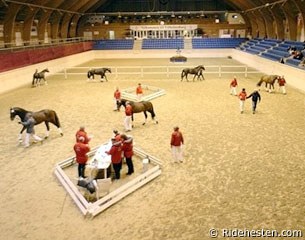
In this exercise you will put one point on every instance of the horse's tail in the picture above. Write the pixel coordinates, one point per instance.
(57, 122)
(151, 110)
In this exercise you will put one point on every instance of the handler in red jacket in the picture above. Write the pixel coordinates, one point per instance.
(242, 98)
(176, 145)
(128, 152)
(233, 86)
(282, 82)
(116, 157)
(116, 99)
(82, 133)
(128, 117)
(139, 92)
(81, 149)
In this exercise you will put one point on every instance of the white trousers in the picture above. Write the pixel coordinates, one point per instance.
(27, 139)
(127, 123)
(283, 89)
(115, 106)
(177, 153)
(242, 105)
(233, 91)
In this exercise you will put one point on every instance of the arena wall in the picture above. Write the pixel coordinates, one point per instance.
(23, 76)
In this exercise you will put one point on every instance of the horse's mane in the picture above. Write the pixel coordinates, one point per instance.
(19, 109)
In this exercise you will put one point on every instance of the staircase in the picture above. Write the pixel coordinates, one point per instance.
(188, 44)
(137, 44)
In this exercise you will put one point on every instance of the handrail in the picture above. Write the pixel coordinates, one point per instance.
(25, 45)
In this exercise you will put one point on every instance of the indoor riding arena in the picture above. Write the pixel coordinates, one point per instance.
(240, 170)
(242, 175)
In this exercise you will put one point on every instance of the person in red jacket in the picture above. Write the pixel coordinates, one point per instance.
(176, 145)
(139, 92)
(81, 149)
(116, 157)
(128, 116)
(82, 133)
(242, 98)
(128, 152)
(282, 82)
(117, 99)
(233, 86)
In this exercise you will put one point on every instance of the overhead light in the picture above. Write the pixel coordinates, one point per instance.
(148, 15)
(173, 15)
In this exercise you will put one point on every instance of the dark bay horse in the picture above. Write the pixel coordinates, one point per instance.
(137, 107)
(99, 71)
(269, 80)
(37, 76)
(46, 115)
(197, 71)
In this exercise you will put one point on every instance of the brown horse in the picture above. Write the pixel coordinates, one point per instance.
(197, 71)
(45, 116)
(37, 76)
(269, 80)
(99, 71)
(137, 107)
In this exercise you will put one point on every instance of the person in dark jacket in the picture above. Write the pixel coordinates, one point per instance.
(29, 123)
(255, 98)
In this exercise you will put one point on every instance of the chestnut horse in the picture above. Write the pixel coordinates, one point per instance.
(137, 107)
(269, 80)
(46, 115)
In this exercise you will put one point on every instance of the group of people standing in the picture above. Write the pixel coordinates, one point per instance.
(122, 147)
(255, 96)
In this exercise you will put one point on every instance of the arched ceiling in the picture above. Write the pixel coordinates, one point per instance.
(261, 15)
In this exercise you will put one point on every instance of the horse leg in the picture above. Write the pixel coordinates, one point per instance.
(20, 135)
(153, 115)
(48, 129)
(194, 77)
(145, 114)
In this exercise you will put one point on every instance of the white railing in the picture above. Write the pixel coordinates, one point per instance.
(161, 70)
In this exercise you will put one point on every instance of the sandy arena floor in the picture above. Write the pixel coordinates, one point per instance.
(241, 170)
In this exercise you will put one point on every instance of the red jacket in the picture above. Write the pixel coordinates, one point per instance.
(177, 138)
(242, 96)
(233, 83)
(116, 153)
(282, 82)
(139, 90)
(127, 149)
(128, 110)
(117, 94)
(81, 151)
(81, 133)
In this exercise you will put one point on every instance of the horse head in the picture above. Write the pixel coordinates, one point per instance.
(200, 67)
(120, 103)
(16, 111)
(46, 70)
(12, 114)
(108, 69)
